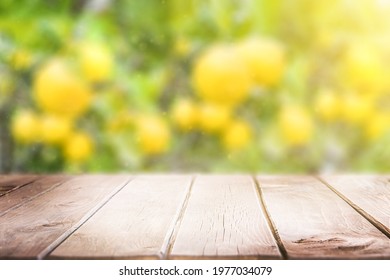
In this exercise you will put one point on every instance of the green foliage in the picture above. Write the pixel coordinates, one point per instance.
(154, 45)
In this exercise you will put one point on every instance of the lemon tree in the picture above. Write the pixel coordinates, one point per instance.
(217, 86)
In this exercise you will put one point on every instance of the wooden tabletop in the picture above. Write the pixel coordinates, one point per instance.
(194, 217)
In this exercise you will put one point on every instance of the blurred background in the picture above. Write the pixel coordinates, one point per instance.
(199, 85)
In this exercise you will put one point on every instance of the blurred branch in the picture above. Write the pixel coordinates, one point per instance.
(7, 148)
(6, 141)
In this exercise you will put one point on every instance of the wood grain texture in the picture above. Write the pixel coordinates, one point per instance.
(28, 192)
(32, 227)
(369, 193)
(313, 222)
(9, 183)
(134, 224)
(224, 219)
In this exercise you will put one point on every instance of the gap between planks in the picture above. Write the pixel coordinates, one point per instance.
(143, 226)
(270, 222)
(358, 209)
(257, 244)
(170, 238)
(84, 219)
(310, 229)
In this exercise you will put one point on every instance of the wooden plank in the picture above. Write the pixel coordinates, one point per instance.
(136, 223)
(9, 183)
(368, 194)
(33, 227)
(224, 219)
(313, 222)
(30, 191)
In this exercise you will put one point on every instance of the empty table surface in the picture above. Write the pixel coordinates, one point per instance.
(194, 216)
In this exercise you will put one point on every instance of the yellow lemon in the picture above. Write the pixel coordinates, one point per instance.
(58, 91)
(377, 126)
(237, 135)
(265, 59)
(96, 62)
(356, 109)
(184, 114)
(220, 76)
(327, 105)
(55, 129)
(213, 117)
(364, 69)
(153, 135)
(25, 126)
(296, 125)
(78, 147)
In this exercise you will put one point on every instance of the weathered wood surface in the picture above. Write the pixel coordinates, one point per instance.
(28, 231)
(192, 217)
(23, 194)
(223, 219)
(368, 194)
(12, 182)
(314, 222)
(134, 224)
